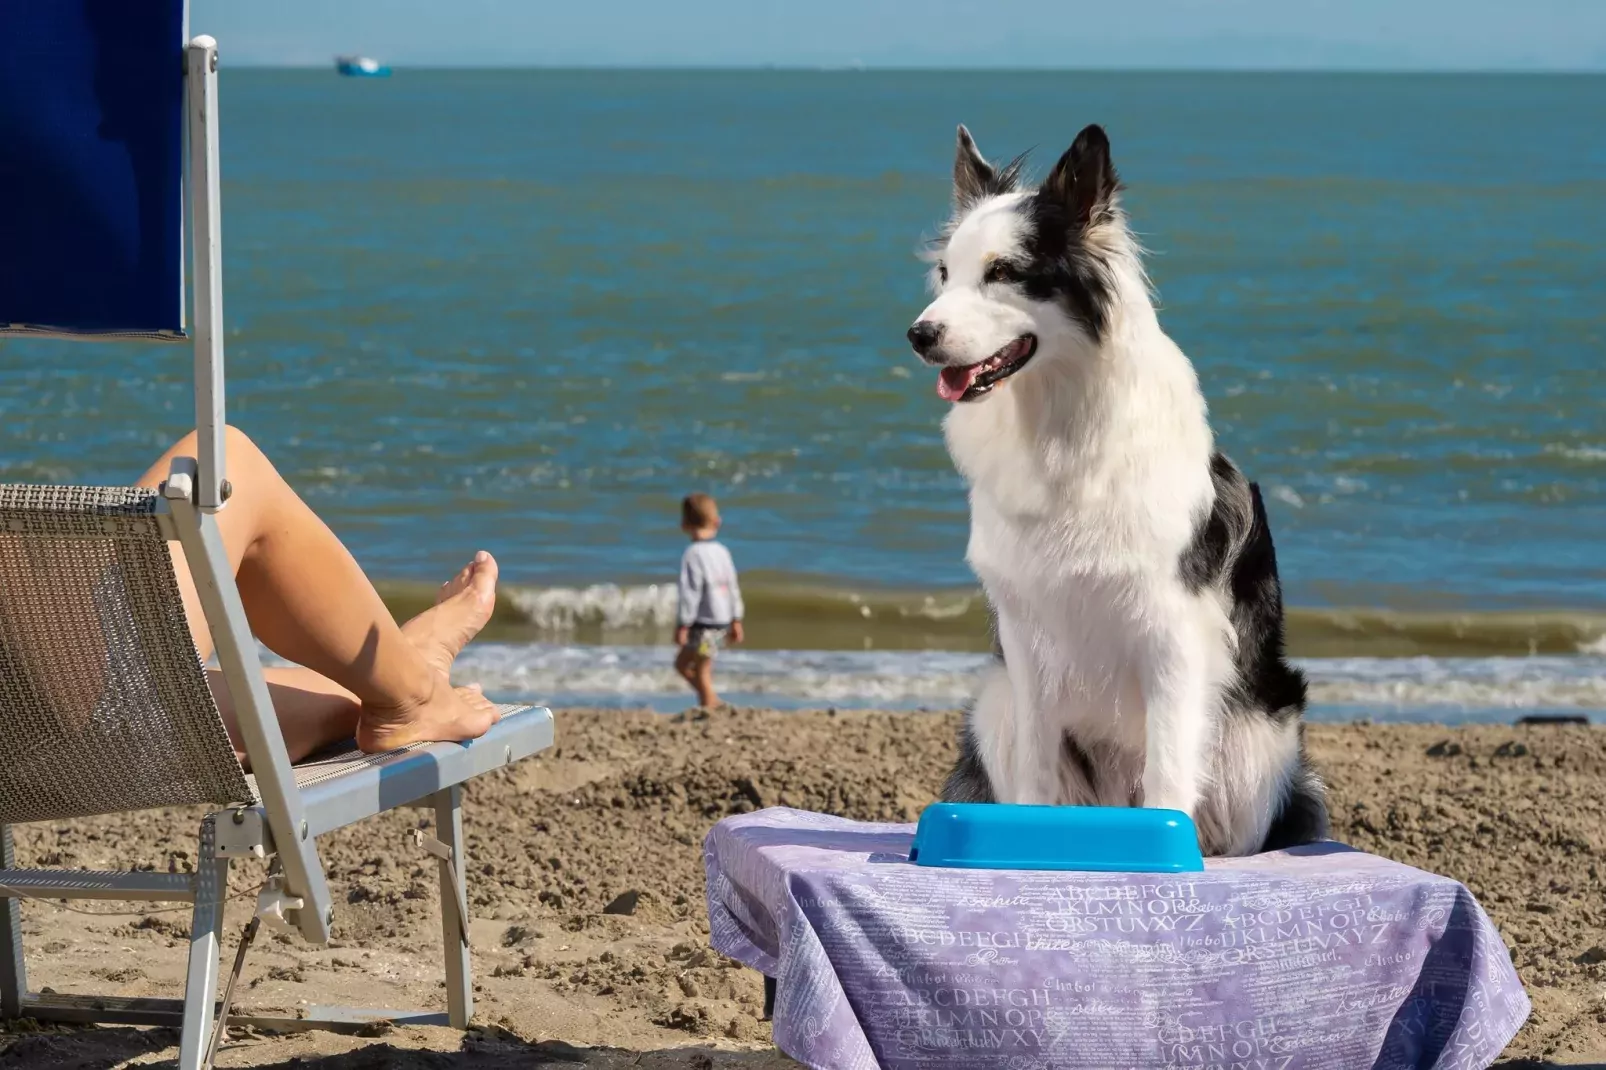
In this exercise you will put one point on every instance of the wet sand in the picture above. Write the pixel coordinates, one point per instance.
(586, 886)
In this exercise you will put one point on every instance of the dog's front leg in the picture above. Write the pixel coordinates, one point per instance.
(1177, 718)
(1030, 772)
(991, 730)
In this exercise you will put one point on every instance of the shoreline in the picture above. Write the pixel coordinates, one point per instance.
(1442, 690)
(621, 804)
(807, 612)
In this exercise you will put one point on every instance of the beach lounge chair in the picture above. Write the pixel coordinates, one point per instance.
(108, 122)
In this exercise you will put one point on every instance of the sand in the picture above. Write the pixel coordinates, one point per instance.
(612, 818)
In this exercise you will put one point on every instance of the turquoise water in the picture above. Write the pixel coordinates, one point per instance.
(529, 310)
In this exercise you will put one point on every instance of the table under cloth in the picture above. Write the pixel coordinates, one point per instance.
(1318, 957)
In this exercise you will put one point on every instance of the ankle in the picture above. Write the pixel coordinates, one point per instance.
(412, 689)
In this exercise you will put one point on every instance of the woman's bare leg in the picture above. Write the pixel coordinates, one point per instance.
(309, 602)
(313, 710)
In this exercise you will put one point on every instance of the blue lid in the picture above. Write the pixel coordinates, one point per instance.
(1112, 839)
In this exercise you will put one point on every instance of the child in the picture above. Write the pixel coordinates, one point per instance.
(710, 599)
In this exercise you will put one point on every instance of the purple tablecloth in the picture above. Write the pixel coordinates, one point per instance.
(1320, 957)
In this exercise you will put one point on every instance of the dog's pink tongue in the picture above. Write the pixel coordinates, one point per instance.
(953, 382)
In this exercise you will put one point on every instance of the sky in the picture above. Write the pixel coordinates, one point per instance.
(1542, 35)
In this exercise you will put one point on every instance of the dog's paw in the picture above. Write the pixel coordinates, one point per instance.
(1162, 796)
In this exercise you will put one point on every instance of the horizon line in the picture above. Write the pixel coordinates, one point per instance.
(854, 68)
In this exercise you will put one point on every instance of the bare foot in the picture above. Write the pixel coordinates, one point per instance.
(445, 713)
(449, 714)
(461, 609)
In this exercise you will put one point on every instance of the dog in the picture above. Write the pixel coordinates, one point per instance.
(1128, 565)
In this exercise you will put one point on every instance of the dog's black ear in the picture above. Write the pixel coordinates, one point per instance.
(1084, 181)
(974, 177)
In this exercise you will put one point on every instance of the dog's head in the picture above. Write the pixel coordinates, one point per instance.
(1024, 276)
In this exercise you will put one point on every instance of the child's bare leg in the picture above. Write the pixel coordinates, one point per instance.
(308, 601)
(686, 666)
(703, 681)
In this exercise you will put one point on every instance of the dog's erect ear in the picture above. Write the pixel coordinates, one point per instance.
(974, 177)
(1084, 180)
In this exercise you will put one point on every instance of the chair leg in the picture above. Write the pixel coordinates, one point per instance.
(13, 975)
(200, 985)
(459, 979)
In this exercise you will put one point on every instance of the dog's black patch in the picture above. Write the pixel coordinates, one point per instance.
(1232, 546)
(1084, 182)
(1063, 267)
(1213, 535)
(968, 782)
(1265, 679)
(975, 179)
(1303, 818)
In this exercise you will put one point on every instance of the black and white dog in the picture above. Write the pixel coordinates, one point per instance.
(1128, 564)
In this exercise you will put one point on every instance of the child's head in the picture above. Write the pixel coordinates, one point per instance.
(699, 515)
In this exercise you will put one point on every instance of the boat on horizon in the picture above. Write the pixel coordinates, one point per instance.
(361, 67)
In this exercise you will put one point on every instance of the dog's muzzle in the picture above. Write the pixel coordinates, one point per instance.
(924, 337)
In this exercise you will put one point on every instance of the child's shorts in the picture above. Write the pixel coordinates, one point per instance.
(704, 640)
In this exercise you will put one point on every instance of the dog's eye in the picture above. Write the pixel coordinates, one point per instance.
(942, 273)
(999, 271)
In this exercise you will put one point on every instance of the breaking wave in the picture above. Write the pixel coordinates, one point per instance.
(786, 612)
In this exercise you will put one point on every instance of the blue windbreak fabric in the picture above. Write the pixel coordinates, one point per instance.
(91, 165)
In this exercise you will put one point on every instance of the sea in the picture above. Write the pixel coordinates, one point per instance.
(527, 311)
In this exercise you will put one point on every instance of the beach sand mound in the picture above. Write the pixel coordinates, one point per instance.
(586, 886)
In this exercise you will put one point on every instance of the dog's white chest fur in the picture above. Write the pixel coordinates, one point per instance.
(1085, 491)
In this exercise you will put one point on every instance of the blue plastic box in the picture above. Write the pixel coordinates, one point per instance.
(1111, 839)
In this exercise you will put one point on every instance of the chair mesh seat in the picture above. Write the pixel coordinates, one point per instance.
(104, 704)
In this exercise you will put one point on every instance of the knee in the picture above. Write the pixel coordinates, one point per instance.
(240, 447)
(236, 443)
(249, 468)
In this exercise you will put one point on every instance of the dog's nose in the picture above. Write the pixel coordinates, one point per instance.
(924, 335)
